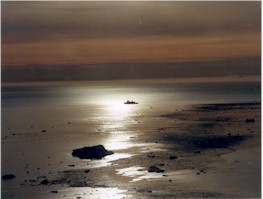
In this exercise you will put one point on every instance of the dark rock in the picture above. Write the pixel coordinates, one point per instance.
(173, 157)
(8, 177)
(151, 155)
(250, 120)
(44, 182)
(53, 191)
(43, 131)
(87, 171)
(93, 152)
(197, 151)
(155, 169)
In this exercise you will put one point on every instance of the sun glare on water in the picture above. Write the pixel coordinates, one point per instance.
(118, 108)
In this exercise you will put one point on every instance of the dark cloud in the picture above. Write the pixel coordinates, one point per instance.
(62, 21)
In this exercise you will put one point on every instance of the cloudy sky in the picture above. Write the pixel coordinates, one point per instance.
(125, 32)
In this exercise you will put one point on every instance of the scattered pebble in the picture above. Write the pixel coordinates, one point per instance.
(8, 177)
(44, 182)
(250, 120)
(53, 191)
(155, 169)
(197, 151)
(151, 156)
(173, 157)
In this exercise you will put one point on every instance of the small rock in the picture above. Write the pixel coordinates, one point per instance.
(155, 169)
(173, 157)
(151, 156)
(250, 120)
(197, 151)
(43, 131)
(87, 171)
(44, 182)
(8, 177)
(53, 191)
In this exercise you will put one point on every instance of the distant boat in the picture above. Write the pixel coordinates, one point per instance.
(130, 102)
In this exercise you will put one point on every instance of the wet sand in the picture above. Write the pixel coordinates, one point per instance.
(203, 151)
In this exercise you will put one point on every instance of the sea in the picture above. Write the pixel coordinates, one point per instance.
(147, 93)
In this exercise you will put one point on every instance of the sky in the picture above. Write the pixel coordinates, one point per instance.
(66, 33)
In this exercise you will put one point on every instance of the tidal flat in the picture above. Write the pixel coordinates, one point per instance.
(174, 150)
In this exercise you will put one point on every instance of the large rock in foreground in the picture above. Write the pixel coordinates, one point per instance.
(93, 152)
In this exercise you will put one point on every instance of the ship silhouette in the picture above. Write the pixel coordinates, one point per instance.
(130, 102)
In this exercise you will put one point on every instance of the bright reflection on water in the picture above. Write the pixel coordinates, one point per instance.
(93, 193)
(118, 108)
(137, 173)
(118, 121)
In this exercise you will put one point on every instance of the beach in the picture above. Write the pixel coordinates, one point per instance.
(123, 99)
(173, 144)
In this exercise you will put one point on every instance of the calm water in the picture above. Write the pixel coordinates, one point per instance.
(148, 94)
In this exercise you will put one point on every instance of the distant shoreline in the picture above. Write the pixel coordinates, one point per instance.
(222, 79)
(130, 71)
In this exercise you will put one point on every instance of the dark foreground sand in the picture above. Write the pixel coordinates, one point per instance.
(204, 151)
